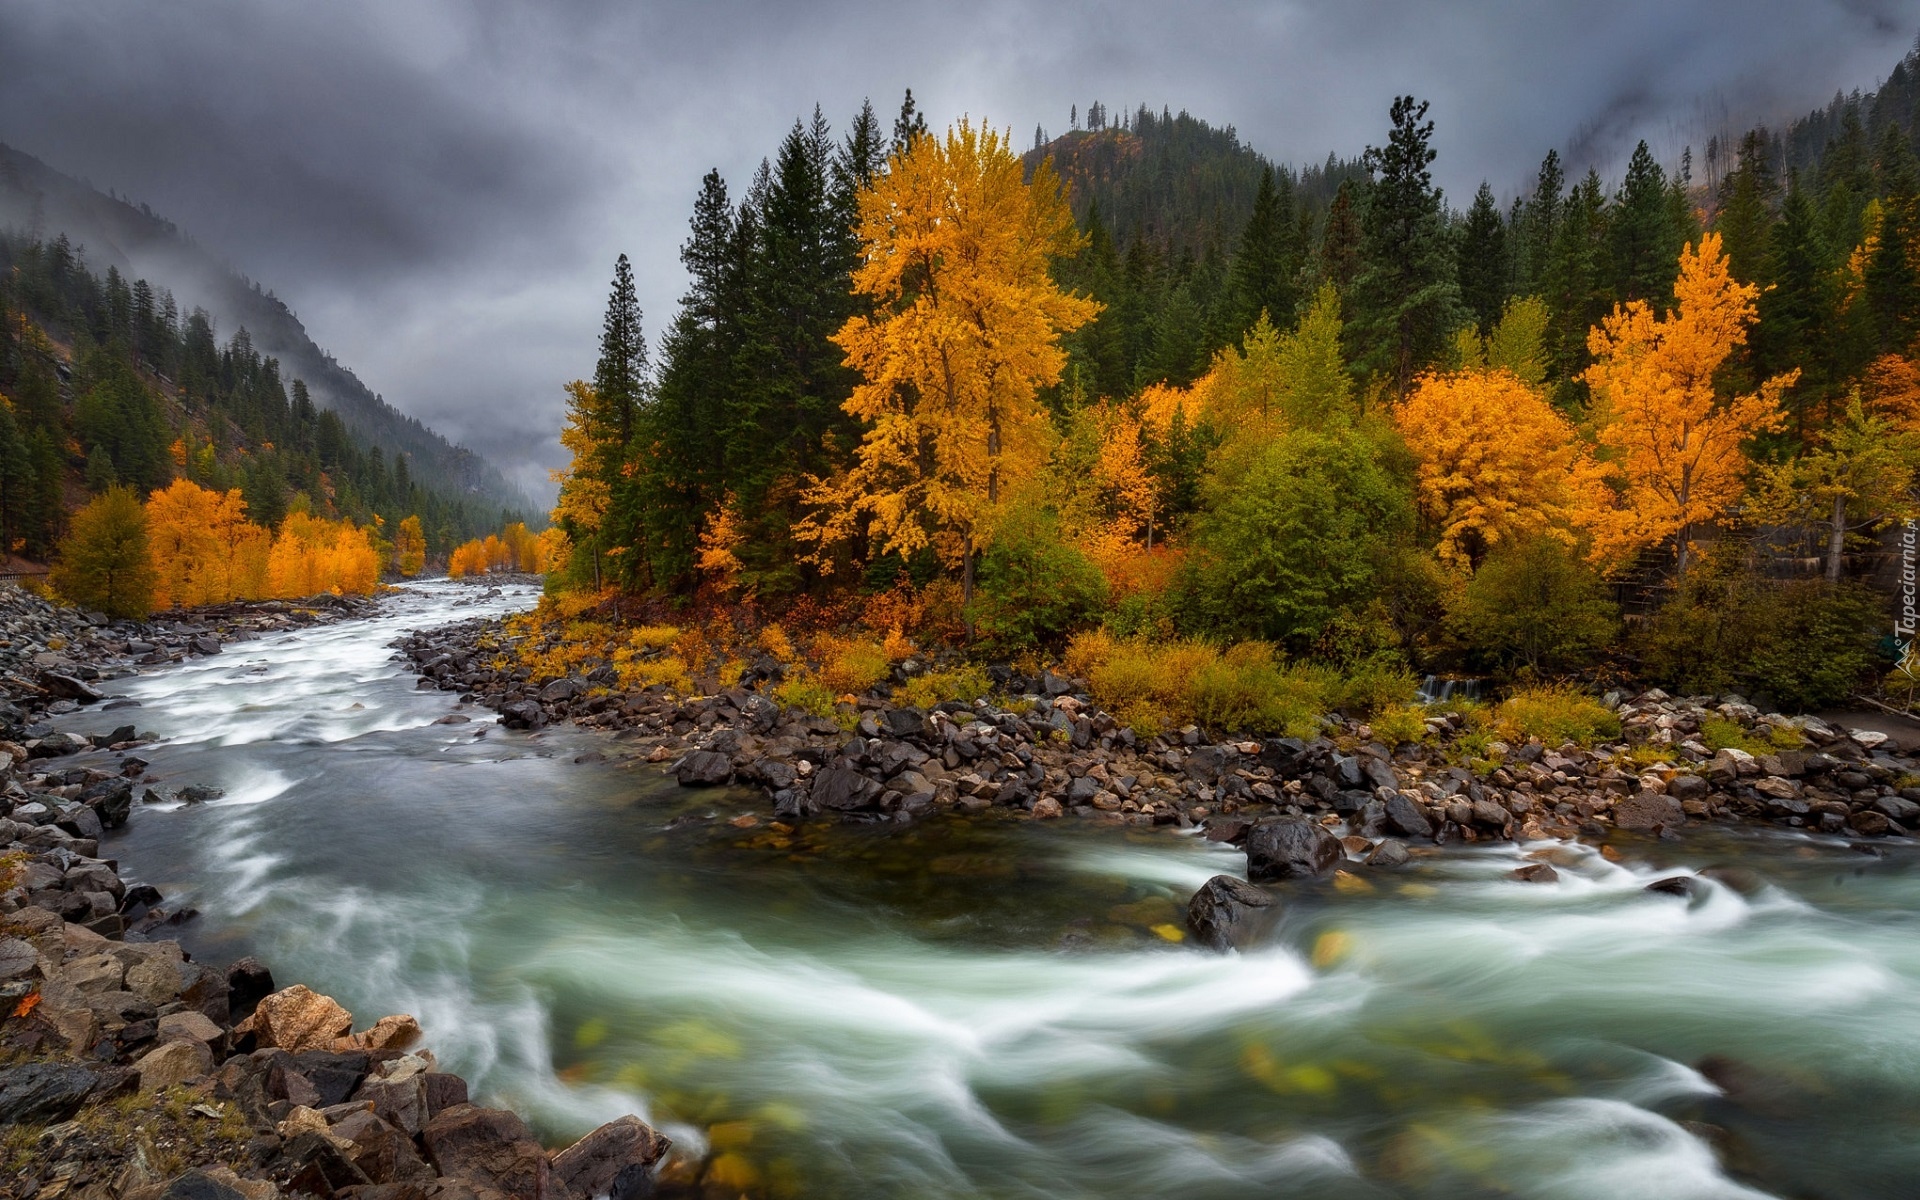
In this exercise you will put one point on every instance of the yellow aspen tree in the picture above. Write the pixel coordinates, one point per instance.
(410, 547)
(965, 328)
(1674, 447)
(1494, 463)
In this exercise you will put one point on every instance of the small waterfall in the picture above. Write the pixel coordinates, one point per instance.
(1436, 689)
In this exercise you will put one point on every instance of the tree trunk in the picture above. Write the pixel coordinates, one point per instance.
(966, 587)
(1837, 539)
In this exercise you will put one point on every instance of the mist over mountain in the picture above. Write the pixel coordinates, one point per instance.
(42, 202)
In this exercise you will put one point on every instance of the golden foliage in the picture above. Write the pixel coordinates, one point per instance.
(204, 549)
(410, 548)
(1495, 463)
(1673, 447)
(718, 541)
(312, 555)
(965, 329)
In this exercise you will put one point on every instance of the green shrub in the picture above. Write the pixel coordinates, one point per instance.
(1556, 715)
(1034, 587)
(1800, 646)
(1294, 538)
(1534, 604)
(104, 562)
(1375, 686)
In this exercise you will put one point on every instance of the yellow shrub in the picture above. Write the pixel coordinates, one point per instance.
(1403, 723)
(1556, 715)
(849, 664)
(647, 672)
(898, 646)
(1087, 650)
(938, 687)
(774, 641)
(808, 695)
(653, 637)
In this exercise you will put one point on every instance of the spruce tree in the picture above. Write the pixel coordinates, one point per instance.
(1891, 286)
(1339, 257)
(1745, 219)
(1406, 299)
(1483, 265)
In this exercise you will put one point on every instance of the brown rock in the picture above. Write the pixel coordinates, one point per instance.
(485, 1147)
(386, 1154)
(174, 1062)
(189, 1027)
(1534, 873)
(297, 1019)
(388, 1033)
(590, 1164)
(443, 1091)
(1046, 808)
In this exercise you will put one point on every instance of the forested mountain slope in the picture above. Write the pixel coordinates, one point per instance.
(39, 203)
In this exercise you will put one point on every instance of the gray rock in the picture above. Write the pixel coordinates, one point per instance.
(43, 1093)
(1405, 818)
(703, 768)
(1390, 853)
(204, 644)
(844, 790)
(1291, 849)
(1229, 913)
(1648, 810)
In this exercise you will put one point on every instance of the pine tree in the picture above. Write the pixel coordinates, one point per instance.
(1339, 259)
(1645, 250)
(1798, 309)
(1892, 288)
(1406, 299)
(1263, 269)
(17, 485)
(1483, 266)
(908, 125)
(1574, 281)
(1747, 197)
(1540, 225)
(620, 377)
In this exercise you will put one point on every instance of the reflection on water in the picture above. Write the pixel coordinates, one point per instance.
(996, 1008)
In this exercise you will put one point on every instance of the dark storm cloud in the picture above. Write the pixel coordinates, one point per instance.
(439, 188)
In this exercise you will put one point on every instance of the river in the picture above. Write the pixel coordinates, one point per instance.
(987, 1009)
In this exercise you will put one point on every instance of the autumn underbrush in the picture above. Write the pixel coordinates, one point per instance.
(1248, 687)
(1720, 733)
(1556, 714)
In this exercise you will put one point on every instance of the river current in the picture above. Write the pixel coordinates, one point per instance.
(998, 1008)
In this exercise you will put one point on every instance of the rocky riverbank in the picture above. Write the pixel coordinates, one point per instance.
(1299, 807)
(129, 1070)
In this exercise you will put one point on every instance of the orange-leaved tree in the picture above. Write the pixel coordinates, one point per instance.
(204, 549)
(1495, 463)
(1674, 447)
(965, 328)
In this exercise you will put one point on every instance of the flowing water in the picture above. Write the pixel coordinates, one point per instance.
(997, 1009)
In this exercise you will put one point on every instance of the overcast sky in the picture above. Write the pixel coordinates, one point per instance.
(439, 187)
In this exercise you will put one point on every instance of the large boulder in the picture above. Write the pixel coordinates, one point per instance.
(172, 1063)
(111, 801)
(43, 1093)
(296, 1019)
(1229, 913)
(590, 1165)
(66, 687)
(248, 983)
(485, 1147)
(1291, 849)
